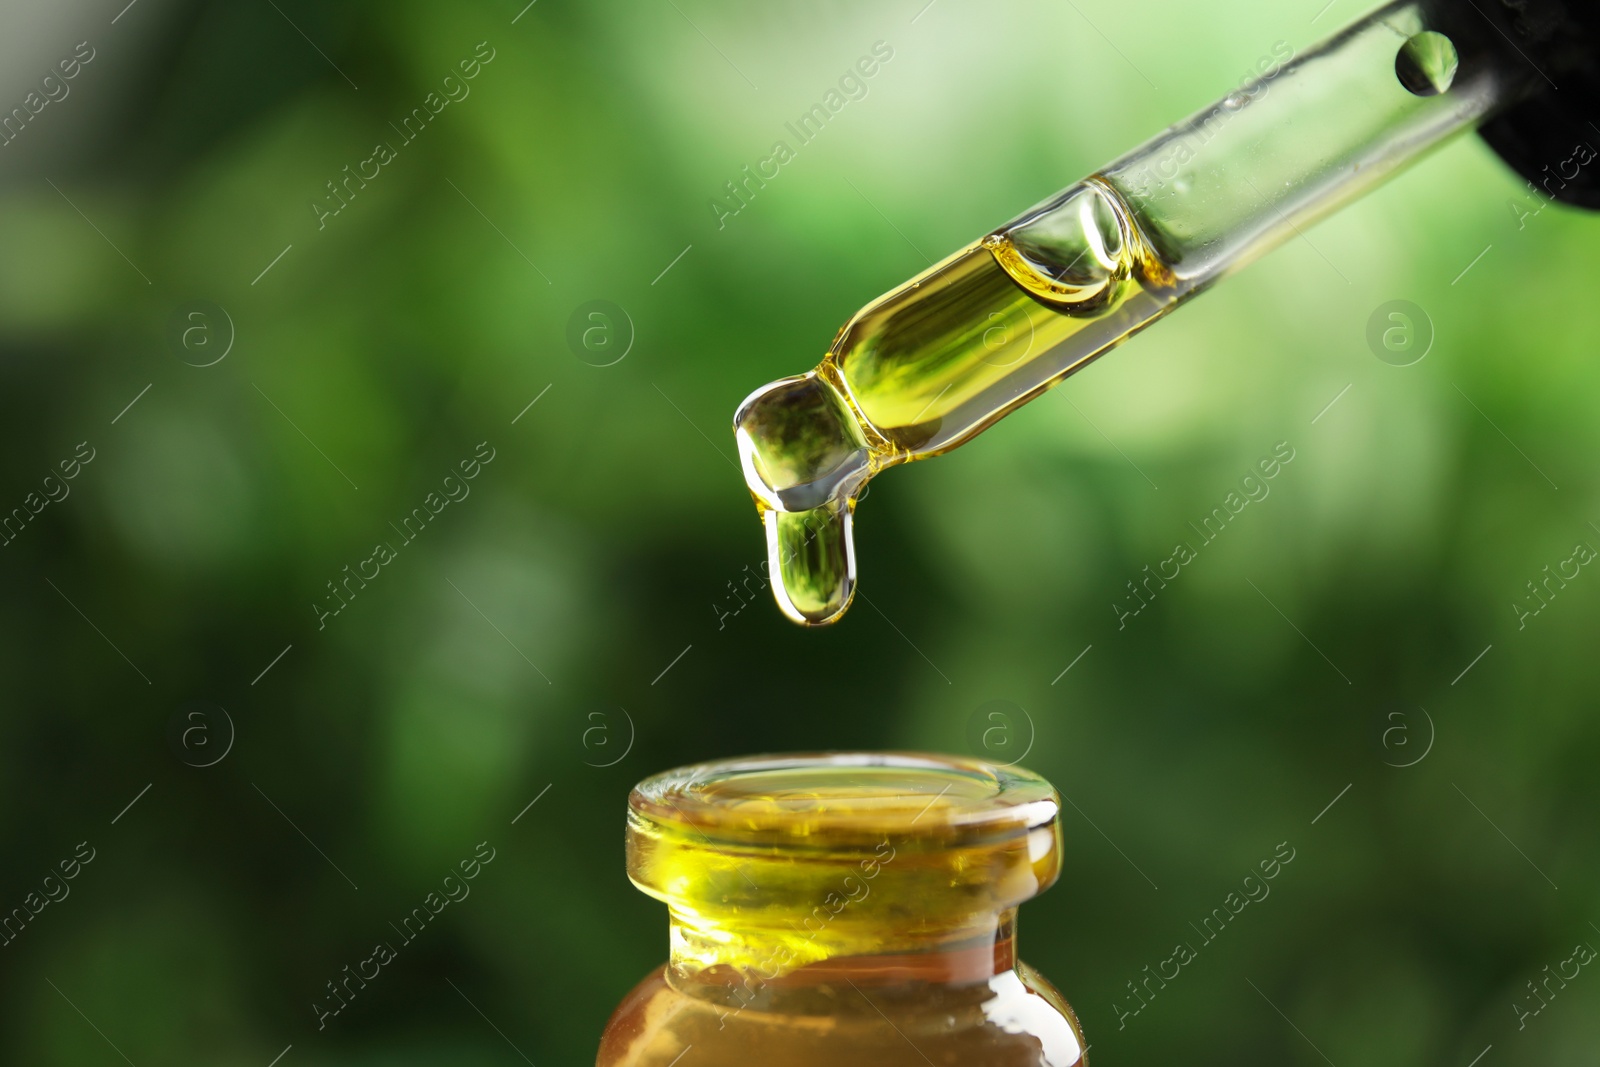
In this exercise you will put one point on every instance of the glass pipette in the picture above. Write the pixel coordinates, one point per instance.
(934, 362)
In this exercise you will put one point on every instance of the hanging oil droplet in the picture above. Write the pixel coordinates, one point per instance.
(812, 558)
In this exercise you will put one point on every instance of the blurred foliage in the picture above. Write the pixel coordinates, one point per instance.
(605, 536)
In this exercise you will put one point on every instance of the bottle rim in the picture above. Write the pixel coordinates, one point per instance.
(831, 800)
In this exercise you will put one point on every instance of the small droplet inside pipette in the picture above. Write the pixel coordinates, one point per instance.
(1427, 64)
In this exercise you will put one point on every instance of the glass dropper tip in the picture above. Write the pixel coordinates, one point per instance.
(804, 458)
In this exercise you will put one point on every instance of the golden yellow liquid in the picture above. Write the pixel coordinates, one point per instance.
(789, 861)
(843, 910)
(932, 364)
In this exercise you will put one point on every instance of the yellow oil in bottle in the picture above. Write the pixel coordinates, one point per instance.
(933, 363)
(843, 909)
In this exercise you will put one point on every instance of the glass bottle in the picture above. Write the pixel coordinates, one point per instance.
(842, 909)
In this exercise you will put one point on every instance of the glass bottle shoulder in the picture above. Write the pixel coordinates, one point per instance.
(1013, 1019)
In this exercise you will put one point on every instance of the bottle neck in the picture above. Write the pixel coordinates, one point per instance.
(885, 867)
(711, 957)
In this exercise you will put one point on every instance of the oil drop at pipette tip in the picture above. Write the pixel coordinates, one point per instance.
(804, 457)
(812, 556)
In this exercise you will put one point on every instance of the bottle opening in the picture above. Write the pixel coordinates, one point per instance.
(777, 862)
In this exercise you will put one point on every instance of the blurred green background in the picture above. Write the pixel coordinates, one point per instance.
(570, 626)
